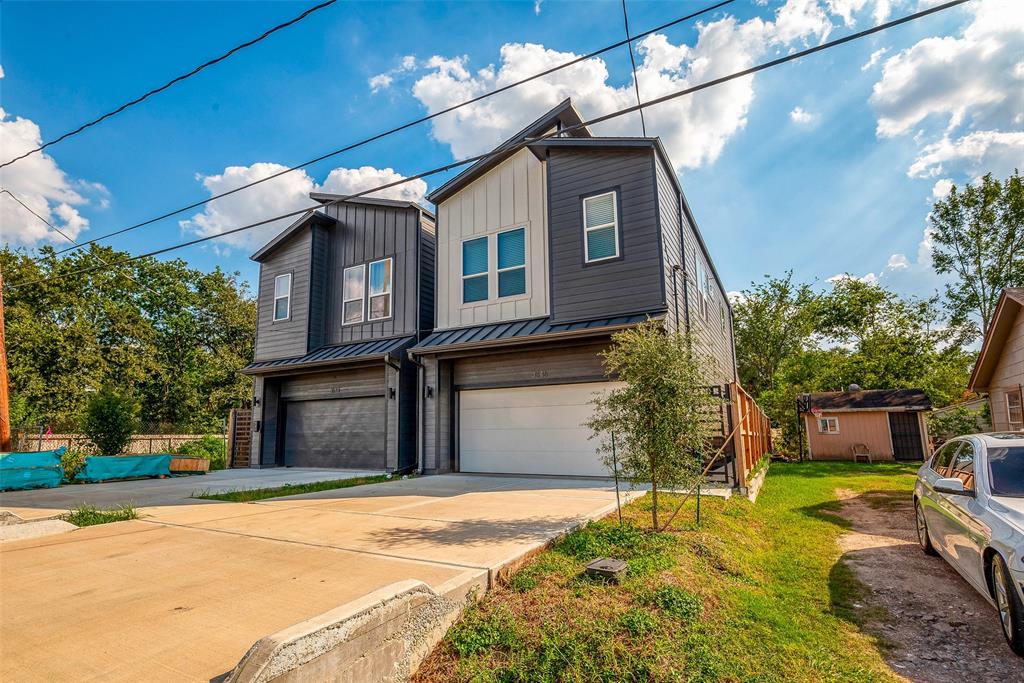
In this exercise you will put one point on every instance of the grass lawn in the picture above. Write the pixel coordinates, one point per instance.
(756, 593)
(249, 495)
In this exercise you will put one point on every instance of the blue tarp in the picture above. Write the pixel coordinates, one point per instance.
(32, 470)
(99, 468)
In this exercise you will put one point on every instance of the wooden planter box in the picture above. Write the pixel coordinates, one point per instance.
(184, 463)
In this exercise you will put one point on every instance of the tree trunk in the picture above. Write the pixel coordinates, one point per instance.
(654, 505)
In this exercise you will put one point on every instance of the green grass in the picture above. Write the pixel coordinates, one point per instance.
(88, 515)
(755, 593)
(250, 495)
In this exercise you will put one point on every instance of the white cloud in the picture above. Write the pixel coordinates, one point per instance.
(874, 58)
(284, 194)
(802, 117)
(40, 183)
(536, 6)
(383, 81)
(941, 188)
(695, 128)
(380, 82)
(908, 276)
(974, 154)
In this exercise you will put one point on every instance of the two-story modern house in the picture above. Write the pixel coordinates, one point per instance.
(343, 292)
(544, 249)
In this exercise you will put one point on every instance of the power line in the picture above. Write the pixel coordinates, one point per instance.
(403, 126)
(599, 119)
(632, 60)
(171, 82)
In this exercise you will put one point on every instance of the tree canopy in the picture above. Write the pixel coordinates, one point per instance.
(172, 337)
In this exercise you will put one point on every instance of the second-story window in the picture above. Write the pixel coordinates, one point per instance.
(352, 305)
(512, 262)
(282, 296)
(474, 270)
(600, 227)
(380, 290)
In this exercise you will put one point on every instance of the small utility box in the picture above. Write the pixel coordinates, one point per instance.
(607, 568)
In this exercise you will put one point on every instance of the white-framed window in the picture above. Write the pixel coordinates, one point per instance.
(282, 297)
(354, 284)
(828, 425)
(702, 288)
(511, 257)
(475, 269)
(600, 227)
(1014, 411)
(380, 290)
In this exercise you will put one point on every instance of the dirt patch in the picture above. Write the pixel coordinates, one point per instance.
(939, 628)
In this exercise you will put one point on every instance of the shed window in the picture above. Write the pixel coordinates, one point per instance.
(380, 290)
(474, 270)
(512, 262)
(282, 296)
(828, 425)
(1014, 413)
(600, 227)
(354, 285)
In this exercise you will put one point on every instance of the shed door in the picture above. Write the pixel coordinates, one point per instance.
(906, 436)
(529, 430)
(341, 432)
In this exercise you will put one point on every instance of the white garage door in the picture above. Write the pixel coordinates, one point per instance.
(530, 430)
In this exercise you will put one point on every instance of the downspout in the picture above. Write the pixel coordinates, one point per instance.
(420, 382)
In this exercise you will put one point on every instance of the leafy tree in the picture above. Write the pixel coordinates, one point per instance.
(110, 420)
(660, 418)
(978, 233)
(959, 421)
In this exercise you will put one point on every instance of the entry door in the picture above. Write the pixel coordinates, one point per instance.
(530, 430)
(906, 436)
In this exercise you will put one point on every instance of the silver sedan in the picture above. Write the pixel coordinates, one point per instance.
(969, 502)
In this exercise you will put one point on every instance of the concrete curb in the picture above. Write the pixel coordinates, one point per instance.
(34, 529)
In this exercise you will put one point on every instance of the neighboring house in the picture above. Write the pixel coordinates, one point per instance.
(343, 292)
(543, 251)
(999, 371)
(889, 423)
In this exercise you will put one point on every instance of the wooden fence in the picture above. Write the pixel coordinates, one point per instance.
(239, 437)
(753, 439)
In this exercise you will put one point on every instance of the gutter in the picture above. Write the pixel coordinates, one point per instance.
(420, 431)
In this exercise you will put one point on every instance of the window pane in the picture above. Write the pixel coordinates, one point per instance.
(380, 306)
(354, 311)
(380, 277)
(601, 243)
(282, 285)
(1006, 471)
(474, 256)
(281, 308)
(474, 289)
(963, 467)
(512, 248)
(512, 282)
(353, 284)
(599, 210)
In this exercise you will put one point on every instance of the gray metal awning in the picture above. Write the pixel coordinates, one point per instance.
(329, 355)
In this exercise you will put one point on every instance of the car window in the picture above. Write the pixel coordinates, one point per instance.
(942, 459)
(1006, 471)
(962, 465)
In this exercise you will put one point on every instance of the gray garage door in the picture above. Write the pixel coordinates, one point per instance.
(340, 432)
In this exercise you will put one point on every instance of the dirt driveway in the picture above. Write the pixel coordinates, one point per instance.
(182, 592)
(940, 628)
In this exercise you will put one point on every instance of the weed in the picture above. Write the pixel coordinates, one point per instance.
(88, 515)
(638, 622)
(478, 632)
(250, 495)
(677, 602)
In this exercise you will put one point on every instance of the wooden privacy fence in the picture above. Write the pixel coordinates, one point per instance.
(753, 439)
(239, 437)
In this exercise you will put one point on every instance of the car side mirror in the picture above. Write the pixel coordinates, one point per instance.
(952, 486)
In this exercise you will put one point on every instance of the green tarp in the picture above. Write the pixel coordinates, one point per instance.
(32, 470)
(99, 468)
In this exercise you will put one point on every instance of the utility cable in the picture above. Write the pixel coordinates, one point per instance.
(632, 60)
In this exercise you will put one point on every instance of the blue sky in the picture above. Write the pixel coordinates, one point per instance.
(801, 168)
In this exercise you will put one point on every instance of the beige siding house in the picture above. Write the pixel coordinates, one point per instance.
(999, 372)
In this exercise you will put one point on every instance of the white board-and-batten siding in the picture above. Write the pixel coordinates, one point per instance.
(509, 196)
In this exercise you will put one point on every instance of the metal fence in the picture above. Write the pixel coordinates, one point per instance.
(152, 437)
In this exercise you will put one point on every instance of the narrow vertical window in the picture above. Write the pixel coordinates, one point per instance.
(474, 270)
(512, 262)
(282, 296)
(600, 227)
(352, 304)
(380, 290)
(1014, 411)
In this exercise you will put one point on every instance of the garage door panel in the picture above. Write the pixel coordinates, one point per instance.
(346, 433)
(486, 418)
(529, 439)
(539, 396)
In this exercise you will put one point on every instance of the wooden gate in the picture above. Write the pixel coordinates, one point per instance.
(239, 437)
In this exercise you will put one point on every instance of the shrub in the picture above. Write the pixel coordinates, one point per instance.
(209, 447)
(110, 420)
(72, 463)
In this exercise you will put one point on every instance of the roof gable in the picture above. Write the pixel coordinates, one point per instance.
(1010, 303)
(314, 216)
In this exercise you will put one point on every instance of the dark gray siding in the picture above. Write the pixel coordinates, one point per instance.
(319, 285)
(630, 283)
(284, 338)
(428, 265)
(558, 365)
(365, 233)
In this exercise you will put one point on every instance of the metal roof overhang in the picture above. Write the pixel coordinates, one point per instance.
(382, 350)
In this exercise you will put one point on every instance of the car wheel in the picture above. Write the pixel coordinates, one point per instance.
(922, 530)
(1011, 611)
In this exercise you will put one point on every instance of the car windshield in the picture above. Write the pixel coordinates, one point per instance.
(1006, 469)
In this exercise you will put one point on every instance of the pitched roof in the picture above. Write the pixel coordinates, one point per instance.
(535, 329)
(1009, 305)
(867, 399)
(334, 355)
(563, 114)
(327, 197)
(312, 216)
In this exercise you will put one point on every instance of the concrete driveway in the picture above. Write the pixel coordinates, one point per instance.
(182, 593)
